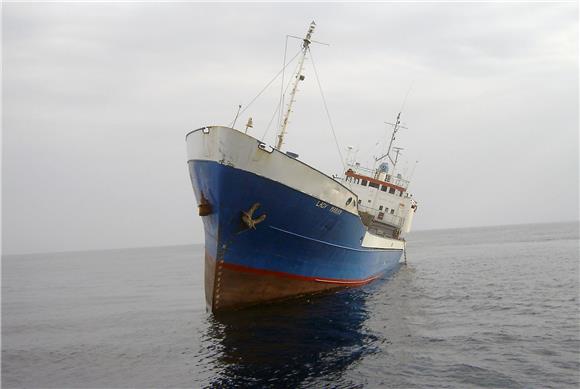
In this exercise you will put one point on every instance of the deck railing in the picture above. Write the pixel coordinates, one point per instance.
(397, 181)
(389, 178)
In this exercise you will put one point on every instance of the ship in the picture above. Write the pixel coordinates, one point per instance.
(276, 228)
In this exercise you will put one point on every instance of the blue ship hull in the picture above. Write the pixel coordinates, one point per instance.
(301, 246)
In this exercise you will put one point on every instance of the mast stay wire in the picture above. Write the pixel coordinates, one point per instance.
(268, 85)
(282, 92)
(277, 110)
(327, 111)
(407, 95)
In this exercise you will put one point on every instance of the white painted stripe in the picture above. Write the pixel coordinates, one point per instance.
(234, 148)
(379, 242)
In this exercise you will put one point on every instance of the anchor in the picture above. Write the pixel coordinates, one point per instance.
(248, 217)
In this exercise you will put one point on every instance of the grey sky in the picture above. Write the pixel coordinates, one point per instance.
(97, 99)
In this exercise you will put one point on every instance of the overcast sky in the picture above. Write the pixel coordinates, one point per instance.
(97, 99)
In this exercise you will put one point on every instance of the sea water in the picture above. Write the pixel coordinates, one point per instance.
(481, 307)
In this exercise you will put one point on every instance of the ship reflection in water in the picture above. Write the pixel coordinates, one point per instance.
(307, 340)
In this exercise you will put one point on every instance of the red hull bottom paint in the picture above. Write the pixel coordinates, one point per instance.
(229, 286)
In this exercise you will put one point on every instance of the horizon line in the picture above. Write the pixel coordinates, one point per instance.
(71, 251)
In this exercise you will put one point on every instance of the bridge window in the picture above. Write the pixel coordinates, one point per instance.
(373, 185)
(364, 182)
(381, 208)
(384, 188)
(392, 190)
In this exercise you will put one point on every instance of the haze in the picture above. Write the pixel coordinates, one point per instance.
(97, 99)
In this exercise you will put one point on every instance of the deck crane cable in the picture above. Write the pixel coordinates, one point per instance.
(327, 111)
(268, 85)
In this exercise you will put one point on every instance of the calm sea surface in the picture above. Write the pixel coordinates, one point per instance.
(487, 307)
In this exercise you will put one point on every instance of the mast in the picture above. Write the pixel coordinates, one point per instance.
(396, 127)
(299, 77)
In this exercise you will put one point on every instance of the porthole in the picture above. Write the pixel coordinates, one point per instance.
(348, 201)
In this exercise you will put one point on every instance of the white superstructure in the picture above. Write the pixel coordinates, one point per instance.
(384, 204)
(383, 201)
